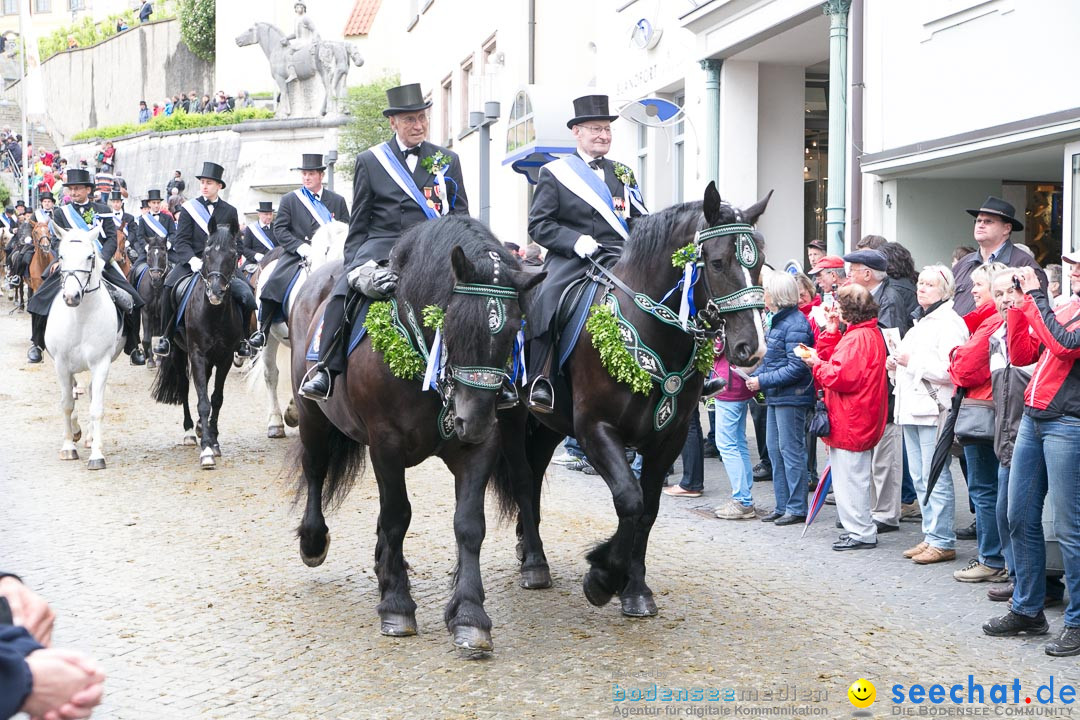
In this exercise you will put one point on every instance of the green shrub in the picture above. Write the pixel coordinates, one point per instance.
(198, 27)
(86, 32)
(176, 121)
(5, 195)
(368, 126)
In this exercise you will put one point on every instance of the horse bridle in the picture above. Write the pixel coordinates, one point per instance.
(83, 289)
(751, 297)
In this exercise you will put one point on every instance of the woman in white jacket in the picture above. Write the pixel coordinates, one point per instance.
(920, 371)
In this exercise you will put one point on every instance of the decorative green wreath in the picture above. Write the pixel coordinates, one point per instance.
(705, 357)
(617, 360)
(404, 361)
(686, 254)
(624, 174)
(433, 317)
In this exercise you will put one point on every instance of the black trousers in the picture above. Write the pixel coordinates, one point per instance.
(333, 344)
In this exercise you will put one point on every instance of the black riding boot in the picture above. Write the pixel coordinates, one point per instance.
(37, 337)
(541, 393)
(163, 345)
(332, 353)
(269, 309)
(133, 339)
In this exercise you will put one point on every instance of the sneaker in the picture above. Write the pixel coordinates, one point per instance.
(932, 555)
(1001, 593)
(680, 491)
(710, 451)
(910, 512)
(565, 459)
(1067, 643)
(966, 533)
(762, 472)
(578, 465)
(977, 572)
(735, 510)
(830, 498)
(1015, 624)
(917, 550)
(846, 542)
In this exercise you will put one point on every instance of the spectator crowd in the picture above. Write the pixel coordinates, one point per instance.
(194, 103)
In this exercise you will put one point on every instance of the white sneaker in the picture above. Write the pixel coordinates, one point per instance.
(735, 510)
(564, 459)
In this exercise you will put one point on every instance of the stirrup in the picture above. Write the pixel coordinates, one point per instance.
(309, 377)
(541, 395)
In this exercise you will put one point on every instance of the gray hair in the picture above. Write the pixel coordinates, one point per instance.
(943, 277)
(782, 289)
(879, 275)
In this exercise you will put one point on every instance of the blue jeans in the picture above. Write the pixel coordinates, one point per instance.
(734, 452)
(786, 437)
(693, 456)
(907, 483)
(982, 487)
(939, 515)
(573, 448)
(1047, 451)
(1003, 519)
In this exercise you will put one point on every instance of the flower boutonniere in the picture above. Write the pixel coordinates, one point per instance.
(88, 215)
(436, 163)
(625, 175)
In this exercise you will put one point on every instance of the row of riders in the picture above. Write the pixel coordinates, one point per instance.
(414, 344)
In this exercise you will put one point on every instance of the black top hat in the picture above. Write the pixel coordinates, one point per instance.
(46, 195)
(78, 176)
(312, 161)
(590, 107)
(265, 206)
(20, 204)
(8, 210)
(405, 98)
(997, 206)
(212, 171)
(144, 203)
(154, 194)
(116, 195)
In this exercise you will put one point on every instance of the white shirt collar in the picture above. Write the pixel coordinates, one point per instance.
(585, 156)
(401, 145)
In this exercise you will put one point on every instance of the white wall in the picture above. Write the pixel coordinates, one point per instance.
(781, 119)
(930, 217)
(738, 176)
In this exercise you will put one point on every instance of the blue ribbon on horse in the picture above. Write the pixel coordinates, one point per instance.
(689, 292)
(517, 368)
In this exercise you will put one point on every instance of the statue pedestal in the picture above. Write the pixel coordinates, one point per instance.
(305, 99)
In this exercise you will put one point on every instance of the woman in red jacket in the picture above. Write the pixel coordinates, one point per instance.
(850, 367)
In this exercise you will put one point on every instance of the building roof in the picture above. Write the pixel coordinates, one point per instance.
(362, 17)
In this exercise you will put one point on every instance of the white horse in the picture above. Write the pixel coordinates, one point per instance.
(327, 245)
(83, 334)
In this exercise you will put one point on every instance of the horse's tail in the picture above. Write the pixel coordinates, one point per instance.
(502, 485)
(345, 461)
(255, 371)
(171, 384)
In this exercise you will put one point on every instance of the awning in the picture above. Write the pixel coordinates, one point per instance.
(536, 130)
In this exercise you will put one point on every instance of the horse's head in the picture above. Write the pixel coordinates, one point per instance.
(80, 264)
(219, 264)
(481, 324)
(731, 256)
(40, 235)
(157, 261)
(248, 37)
(328, 244)
(354, 54)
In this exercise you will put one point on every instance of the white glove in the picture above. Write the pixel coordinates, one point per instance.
(303, 250)
(195, 264)
(585, 246)
(258, 257)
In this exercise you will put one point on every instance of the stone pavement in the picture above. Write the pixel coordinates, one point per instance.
(187, 586)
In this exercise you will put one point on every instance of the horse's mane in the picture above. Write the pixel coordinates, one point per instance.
(664, 232)
(221, 239)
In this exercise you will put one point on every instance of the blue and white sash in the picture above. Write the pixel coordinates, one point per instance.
(578, 178)
(41, 216)
(315, 207)
(9, 223)
(154, 224)
(76, 221)
(400, 174)
(199, 214)
(260, 235)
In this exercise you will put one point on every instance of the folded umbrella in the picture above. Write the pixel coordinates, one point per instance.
(819, 497)
(943, 448)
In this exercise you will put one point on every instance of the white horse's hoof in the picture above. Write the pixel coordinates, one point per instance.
(96, 464)
(190, 440)
(71, 454)
(275, 431)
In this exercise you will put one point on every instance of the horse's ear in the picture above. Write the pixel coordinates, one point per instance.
(712, 204)
(752, 213)
(57, 230)
(525, 281)
(463, 269)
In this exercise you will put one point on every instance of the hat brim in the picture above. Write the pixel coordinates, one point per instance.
(586, 118)
(1016, 224)
(78, 184)
(407, 108)
(260, 210)
(816, 270)
(1072, 258)
(207, 177)
(318, 167)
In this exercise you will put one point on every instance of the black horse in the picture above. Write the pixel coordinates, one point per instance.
(607, 416)
(213, 330)
(455, 264)
(149, 283)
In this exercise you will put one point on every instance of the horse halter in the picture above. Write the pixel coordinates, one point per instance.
(83, 289)
(751, 297)
(479, 376)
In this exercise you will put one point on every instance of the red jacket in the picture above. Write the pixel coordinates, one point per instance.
(1050, 388)
(975, 318)
(970, 363)
(852, 373)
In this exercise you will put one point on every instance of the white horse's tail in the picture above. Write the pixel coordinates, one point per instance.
(255, 371)
(328, 244)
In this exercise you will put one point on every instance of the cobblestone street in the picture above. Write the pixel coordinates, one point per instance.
(188, 587)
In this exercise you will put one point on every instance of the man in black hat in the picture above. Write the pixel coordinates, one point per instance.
(581, 209)
(397, 184)
(300, 215)
(153, 223)
(81, 213)
(48, 204)
(125, 222)
(258, 238)
(197, 219)
(815, 250)
(994, 223)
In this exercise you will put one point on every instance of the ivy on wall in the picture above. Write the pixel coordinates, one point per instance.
(198, 26)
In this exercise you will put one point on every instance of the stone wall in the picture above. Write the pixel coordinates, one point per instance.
(103, 84)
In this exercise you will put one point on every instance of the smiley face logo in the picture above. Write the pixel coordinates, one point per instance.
(862, 693)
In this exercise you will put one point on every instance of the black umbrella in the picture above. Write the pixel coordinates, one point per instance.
(943, 448)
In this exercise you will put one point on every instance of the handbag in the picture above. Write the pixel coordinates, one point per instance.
(819, 421)
(975, 422)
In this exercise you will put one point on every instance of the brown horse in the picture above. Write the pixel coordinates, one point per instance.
(121, 256)
(43, 256)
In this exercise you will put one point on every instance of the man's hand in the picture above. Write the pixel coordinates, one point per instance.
(66, 685)
(28, 609)
(258, 257)
(250, 268)
(1028, 279)
(373, 281)
(585, 246)
(195, 264)
(303, 250)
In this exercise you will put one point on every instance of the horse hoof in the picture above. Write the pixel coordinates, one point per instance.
(595, 594)
(535, 578)
(189, 440)
(473, 639)
(206, 459)
(96, 464)
(638, 605)
(77, 436)
(398, 625)
(71, 454)
(291, 417)
(317, 560)
(275, 431)
(238, 362)
(217, 450)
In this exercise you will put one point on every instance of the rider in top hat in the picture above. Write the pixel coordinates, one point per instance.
(125, 221)
(581, 208)
(258, 238)
(153, 223)
(300, 214)
(396, 185)
(994, 223)
(48, 204)
(82, 213)
(197, 219)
